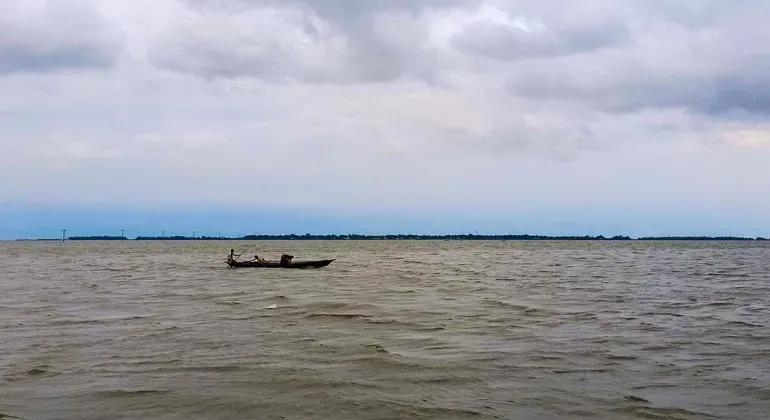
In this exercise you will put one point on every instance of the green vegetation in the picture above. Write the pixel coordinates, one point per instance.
(699, 238)
(97, 238)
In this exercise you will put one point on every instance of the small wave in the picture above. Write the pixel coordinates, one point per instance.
(725, 274)
(565, 371)
(335, 306)
(753, 337)
(412, 325)
(214, 368)
(440, 346)
(65, 322)
(746, 324)
(444, 379)
(658, 347)
(390, 360)
(468, 316)
(645, 411)
(709, 343)
(199, 296)
(711, 304)
(504, 304)
(429, 329)
(529, 310)
(335, 315)
(377, 347)
(230, 302)
(636, 399)
(662, 313)
(165, 370)
(585, 316)
(532, 311)
(646, 326)
(388, 322)
(619, 357)
(655, 385)
(119, 393)
(157, 362)
(546, 357)
(105, 320)
(403, 409)
(39, 371)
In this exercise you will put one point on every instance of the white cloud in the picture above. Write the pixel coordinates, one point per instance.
(750, 137)
(77, 150)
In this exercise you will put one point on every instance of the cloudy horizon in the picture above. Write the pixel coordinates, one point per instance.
(639, 117)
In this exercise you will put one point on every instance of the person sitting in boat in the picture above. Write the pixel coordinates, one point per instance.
(286, 259)
(259, 259)
(230, 257)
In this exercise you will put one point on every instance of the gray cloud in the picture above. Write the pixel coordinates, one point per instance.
(747, 90)
(315, 41)
(546, 29)
(626, 84)
(704, 55)
(711, 59)
(42, 36)
(504, 42)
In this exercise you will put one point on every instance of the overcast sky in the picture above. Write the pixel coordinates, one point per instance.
(629, 116)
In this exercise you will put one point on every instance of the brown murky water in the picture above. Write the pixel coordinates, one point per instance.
(391, 330)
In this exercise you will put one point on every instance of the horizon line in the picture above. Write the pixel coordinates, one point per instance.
(397, 236)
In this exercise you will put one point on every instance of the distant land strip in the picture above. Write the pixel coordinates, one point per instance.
(468, 237)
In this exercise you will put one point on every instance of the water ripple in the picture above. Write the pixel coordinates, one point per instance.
(444, 330)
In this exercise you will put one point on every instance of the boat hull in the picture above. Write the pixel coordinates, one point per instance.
(293, 264)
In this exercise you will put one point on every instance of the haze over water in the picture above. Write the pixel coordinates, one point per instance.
(409, 329)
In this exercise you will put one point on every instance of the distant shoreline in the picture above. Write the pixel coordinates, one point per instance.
(353, 237)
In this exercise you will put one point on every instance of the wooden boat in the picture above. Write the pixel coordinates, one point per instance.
(272, 264)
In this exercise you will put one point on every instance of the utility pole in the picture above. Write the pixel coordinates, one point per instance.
(193, 234)
(63, 234)
(163, 234)
(123, 234)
